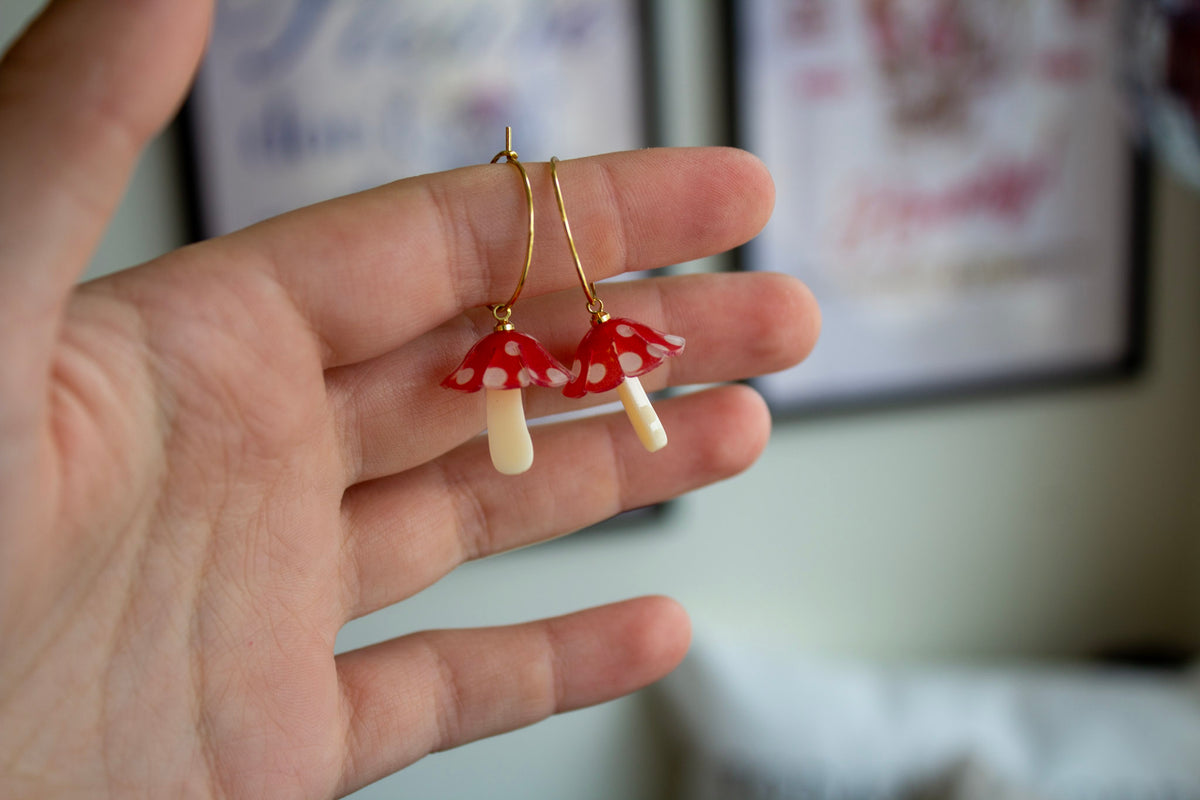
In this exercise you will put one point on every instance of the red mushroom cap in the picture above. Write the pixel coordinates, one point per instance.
(616, 349)
(506, 360)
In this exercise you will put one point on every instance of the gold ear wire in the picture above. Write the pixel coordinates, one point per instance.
(614, 353)
(595, 305)
(503, 311)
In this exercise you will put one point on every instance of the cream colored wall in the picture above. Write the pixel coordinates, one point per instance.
(1041, 525)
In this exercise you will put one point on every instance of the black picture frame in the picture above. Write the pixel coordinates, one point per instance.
(279, 121)
(1122, 362)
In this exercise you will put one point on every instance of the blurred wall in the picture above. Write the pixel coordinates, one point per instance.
(1040, 525)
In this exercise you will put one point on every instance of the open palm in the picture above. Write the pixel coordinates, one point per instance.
(210, 463)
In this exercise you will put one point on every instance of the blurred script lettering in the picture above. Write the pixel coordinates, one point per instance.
(301, 100)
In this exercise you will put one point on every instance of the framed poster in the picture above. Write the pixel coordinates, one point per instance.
(302, 100)
(954, 182)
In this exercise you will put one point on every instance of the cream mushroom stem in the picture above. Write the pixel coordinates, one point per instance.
(642, 415)
(509, 442)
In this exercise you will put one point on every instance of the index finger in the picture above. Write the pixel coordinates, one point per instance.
(374, 270)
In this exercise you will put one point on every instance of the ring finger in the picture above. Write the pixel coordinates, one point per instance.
(585, 471)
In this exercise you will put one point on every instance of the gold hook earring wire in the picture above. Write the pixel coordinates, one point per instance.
(595, 305)
(503, 311)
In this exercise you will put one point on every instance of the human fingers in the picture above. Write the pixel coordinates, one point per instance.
(80, 95)
(374, 270)
(393, 413)
(436, 690)
(405, 532)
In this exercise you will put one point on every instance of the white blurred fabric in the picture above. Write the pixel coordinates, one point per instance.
(770, 726)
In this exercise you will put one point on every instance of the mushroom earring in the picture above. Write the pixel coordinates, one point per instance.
(615, 352)
(506, 361)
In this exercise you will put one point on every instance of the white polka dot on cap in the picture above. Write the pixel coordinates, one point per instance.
(630, 362)
(495, 378)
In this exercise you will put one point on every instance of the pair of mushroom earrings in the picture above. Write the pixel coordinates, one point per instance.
(613, 354)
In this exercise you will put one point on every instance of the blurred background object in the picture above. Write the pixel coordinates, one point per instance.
(1164, 55)
(302, 100)
(753, 726)
(1036, 526)
(956, 183)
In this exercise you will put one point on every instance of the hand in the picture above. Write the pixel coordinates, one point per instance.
(210, 463)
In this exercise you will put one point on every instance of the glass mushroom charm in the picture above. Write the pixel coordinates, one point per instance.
(612, 355)
(505, 361)
(617, 351)
(502, 364)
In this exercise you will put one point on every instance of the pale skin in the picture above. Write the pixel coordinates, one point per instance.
(211, 462)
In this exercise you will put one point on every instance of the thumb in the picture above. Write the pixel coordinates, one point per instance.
(81, 93)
